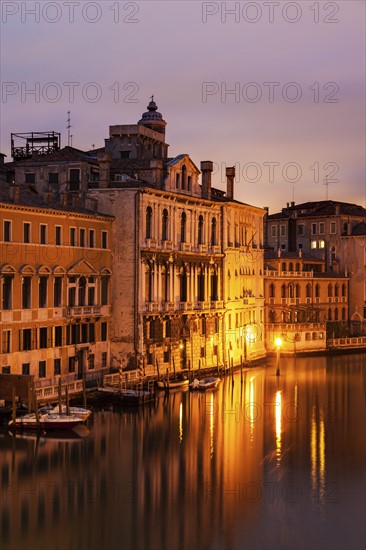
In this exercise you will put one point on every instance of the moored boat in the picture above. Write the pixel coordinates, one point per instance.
(205, 384)
(45, 422)
(172, 384)
(79, 412)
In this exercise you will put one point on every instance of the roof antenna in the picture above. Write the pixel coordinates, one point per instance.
(327, 184)
(293, 194)
(69, 136)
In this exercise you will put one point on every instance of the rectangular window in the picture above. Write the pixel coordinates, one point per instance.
(42, 289)
(53, 178)
(313, 244)
(313, 228)
(5, 370)
(103, 331)
(43, 233)
(274, 230)
(57, 292)
(7, 231)
(25, 369)
(203, 352)
(82, 238)
(104, 291)
(7, 301)
(26, 293)
(215, 350)
(27, 339)
(71, 364)
(84, 333)
(30, 177)
(57, 367)
(91, 363)
(43, 337)
(104, 360)
(301, 230)
(333, 228)
(92, 332)
(58, 336)
(104, 239)
(6, 341)
(58, 235)
(74, 179)
(91, 295)
(321, 244)
(322, 228)
(72, 236)
(91, 238)
(26, 232)
(166, 356)
(203, 326)
(282, 230)
(42, 369)
(75, 334)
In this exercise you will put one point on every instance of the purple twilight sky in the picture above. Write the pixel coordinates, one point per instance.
(296, 72)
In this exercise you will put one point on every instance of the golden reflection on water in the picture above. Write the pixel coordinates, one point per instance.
(251, 407)
(212, 418)
(278, 417)
(318, 456)
(181, 422)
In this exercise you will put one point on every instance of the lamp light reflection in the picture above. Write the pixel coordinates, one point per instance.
(181, 423)
(278, 417)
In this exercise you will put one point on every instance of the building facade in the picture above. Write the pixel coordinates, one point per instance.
(305, 304)
(55, 287)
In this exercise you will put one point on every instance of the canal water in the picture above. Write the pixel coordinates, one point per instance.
(264, 462)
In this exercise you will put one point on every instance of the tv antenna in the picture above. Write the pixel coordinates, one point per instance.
(69, 136)
(327, 184)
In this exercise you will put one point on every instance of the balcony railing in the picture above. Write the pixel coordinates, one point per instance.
(83, 311)
(217, 304)
(203, 305)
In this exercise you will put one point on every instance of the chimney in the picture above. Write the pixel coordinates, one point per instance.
(292, 203)
(104, 160)
(230, 176)
(14, 192)
(266, 208)
(206, 169)
(287, 205)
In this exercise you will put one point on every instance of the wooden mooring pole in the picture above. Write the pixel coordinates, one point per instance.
(59, 396)
(14, 405)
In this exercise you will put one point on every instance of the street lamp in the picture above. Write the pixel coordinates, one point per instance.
(278, 343)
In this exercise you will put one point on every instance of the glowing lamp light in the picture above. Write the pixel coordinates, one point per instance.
(180, 346)
(278, 342)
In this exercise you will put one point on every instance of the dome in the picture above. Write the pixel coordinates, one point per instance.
(152, 118)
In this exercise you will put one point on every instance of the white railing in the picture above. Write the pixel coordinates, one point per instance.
(51, 392)
(304, 274)
(356, 342)
(116, 378)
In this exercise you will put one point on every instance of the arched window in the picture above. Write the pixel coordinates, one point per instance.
(291, 266)
(200, 230)
(283, 268)
(297, 291)
(164, 228)
(183, 285)
(336, 314)
(183, 225)
(344, 290)
(164, 283)
(149, 222)
(148, 283)
(184, 177)
(272, 316)
(297, 268)
(336, 290)
(330, 290)
(201, 285)
(343, 313)
(308, 290)
(213, 232)
(317, 290)
(283, 291)
(214, 285)
(329, 314)
(271, 290)
(291, 291)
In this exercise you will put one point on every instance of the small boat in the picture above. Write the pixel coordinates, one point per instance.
(45, 422)
(205, 383)
(79, 412)
(173, 384)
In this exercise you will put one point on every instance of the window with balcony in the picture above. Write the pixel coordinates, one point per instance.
(57, 292)
(6, 341)
(26, 293)
(57, 367)
(149, 222)
(104, 290)
(42, 292)
(7, 298)
(26, 339)
(42, 369)
(200, 230)
(104, 331)
(213, 232)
